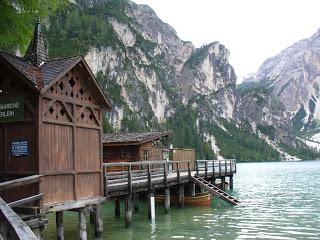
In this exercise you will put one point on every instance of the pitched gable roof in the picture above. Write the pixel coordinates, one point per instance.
(133, 138)
(44, 76)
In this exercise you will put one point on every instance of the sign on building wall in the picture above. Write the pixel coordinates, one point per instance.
(11, 109)
(19, 148)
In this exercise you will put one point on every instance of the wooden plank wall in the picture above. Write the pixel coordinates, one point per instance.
(16, 167)
(71, 150)
(155, 152)
(179, 154)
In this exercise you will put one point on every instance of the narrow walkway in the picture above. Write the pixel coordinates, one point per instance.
(214, 190)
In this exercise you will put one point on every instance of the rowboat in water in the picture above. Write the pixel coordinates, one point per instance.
(200, 199)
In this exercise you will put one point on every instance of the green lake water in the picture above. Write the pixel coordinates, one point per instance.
(280, 200)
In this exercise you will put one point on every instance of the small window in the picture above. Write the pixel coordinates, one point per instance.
(125, 152)
(145, 155)
(165, 155)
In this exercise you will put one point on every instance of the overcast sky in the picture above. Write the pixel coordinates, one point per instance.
(252, 30)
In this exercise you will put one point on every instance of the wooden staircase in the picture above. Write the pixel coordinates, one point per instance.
(214, 190)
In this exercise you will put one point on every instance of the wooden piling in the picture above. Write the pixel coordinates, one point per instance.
(223, 183)
(117, 207)
(231, 181)
(37, 232)
(92, 216)
(59, 225)
(82, 224)
(98, 220)
(192, 189)
(167, 200)
(151, 206)
(136, 202)
(128, 209)
(181, 195)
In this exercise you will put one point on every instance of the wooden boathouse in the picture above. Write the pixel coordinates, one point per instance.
(136, 146)
(50, 134)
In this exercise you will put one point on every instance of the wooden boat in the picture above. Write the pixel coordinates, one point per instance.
(200, 199)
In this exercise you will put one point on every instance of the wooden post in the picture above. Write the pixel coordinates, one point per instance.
(178, 173)
(225, 168)
(117, 207)
(181, 195)
(213, 180)
(98, 220)
(151, 206)
(231, 182)
(128, 218)
(82, 224)
(59, 225)
(38, 232)
(129, 179)
(197, 168)
(136, 202)
(167, 200)
(213, 173)
(223, 183)
(165, 174)
(192, 189)
(92, 215)
(149, 178)
(205, 169)
(189, 171)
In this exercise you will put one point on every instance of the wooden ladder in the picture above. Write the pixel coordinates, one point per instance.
(215, 190)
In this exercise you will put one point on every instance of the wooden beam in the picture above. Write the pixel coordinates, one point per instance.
(74, 204)
(20, 182)
(26, 200)
(16, 226)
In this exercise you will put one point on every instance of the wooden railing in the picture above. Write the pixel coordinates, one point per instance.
(11, 225)
(216, 167)
(126, 177)
(144, 171)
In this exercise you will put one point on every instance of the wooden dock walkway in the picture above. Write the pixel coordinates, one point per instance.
(133, 178)
(151, 175)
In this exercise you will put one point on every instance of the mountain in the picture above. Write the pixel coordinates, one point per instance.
(293, 76)
(155, 80)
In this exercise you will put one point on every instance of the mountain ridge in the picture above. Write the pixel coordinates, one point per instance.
(157, 81)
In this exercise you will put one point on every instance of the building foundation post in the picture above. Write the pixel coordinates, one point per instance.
(167, 200)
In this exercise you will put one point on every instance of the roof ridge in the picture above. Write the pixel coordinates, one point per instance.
(13, 55)
(66, 57)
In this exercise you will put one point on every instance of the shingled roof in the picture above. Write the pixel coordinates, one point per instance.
(133, 138)
(43, 75)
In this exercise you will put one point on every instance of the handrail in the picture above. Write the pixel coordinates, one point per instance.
(137, 163)
(20, 182)
(17, 227)
(216, 160)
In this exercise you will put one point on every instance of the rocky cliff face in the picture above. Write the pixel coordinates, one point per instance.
(162, 69)
(294, 77)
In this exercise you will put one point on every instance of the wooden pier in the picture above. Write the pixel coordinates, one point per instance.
(150, 176)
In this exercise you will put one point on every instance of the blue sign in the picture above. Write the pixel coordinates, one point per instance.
(19, 148)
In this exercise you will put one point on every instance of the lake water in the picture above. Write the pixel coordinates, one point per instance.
(280, 200)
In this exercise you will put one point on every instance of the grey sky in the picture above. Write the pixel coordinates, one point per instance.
(252, 30)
